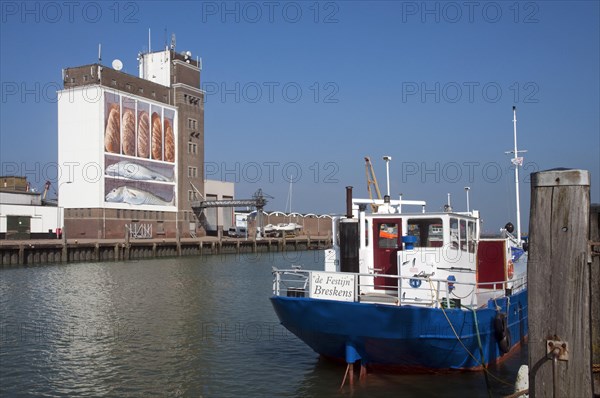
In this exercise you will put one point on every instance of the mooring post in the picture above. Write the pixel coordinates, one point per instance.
(21, 255)
(594, 261)
(64, 250)
(558, 284)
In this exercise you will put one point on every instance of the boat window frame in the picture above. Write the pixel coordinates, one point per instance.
(397, 245)
(471, 236)
(462, 234)
(454, 233)
(427, 222)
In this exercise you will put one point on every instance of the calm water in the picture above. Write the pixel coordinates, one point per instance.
(193, 327)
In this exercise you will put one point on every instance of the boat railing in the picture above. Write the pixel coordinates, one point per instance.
(358, 287)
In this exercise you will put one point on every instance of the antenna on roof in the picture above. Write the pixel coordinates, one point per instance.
(99, 52)
(149, 48)
(173, 41)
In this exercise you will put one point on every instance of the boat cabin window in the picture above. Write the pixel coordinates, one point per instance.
(454, 233)
(462, 235)
(428, 231)
(388, 236)
(471, 236)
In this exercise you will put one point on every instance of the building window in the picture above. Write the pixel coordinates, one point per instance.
(85, 78)
(154, 94)
(192, 172)
(192, 148)
(141, 90)
(128, 86)
(114, 82)
(192, 196)
(192, 124)
(72, 80)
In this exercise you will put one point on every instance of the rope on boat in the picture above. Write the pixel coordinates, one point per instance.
(467, 295)
(518, 393)
(487, 380)
(466, 349)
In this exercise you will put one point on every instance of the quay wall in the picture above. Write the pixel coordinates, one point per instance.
(31, 252)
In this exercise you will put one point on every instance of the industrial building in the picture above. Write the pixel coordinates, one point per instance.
(26, 214)
(131, 149)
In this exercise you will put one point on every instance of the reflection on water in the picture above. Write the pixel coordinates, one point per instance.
(193, 326)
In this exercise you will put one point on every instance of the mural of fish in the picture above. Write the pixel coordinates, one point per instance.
(135, 171)
(136, 196)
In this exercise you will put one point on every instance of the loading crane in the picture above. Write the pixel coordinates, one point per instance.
(371, 181)
(258, 201)
(46, 189)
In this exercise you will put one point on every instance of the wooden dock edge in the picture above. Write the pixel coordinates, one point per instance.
(30, 252)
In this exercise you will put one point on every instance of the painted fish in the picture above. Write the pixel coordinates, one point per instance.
(136, 196)
(135, 171)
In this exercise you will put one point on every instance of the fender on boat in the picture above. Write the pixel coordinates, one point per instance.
(502, 332)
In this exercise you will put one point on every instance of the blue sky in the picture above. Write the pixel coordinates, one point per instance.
(305, 90)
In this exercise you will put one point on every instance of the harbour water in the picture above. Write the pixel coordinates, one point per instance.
(185, 326)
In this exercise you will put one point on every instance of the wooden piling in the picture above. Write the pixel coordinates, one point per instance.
(558, 282)
(594, 260)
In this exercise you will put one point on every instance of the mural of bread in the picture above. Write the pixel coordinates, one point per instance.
(169, 142)
(143, 138)
(156, 137)
(112, 135)
(128, 132)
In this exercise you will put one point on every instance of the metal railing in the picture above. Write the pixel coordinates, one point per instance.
(297, 283)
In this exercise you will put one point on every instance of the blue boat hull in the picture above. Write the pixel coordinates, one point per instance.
(411, 338)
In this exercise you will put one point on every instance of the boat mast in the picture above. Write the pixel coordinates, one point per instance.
(289, 199)
(517, 161)
(387, 172)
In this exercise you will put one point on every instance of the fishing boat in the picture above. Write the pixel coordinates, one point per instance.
(409, 289)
